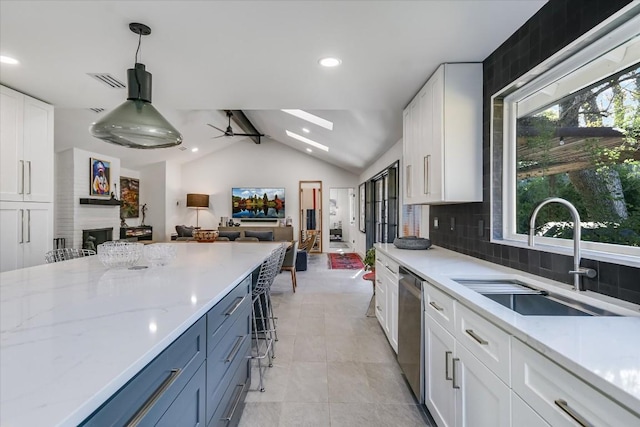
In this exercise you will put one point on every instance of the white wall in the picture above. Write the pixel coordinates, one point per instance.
(153, 194)
(269, 164)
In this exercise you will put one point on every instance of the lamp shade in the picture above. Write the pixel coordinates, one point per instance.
(197, 200)
(136, 123)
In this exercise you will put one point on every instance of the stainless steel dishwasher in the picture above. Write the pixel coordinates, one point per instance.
(410, 330)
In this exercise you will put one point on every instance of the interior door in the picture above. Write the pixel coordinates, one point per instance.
(311, 212)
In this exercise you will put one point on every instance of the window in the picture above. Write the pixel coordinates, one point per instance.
(574, 132)
(382, 206)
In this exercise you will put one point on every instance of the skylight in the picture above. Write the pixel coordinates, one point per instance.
(307, 141)
(301, 114)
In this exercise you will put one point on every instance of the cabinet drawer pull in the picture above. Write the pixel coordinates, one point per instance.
(562, 404)
(235, 306)
(427, 160)
(234, 350)
(240, 389)
(453, 369)
(28, 226)
(436, 306)
(21, 226)
(22, 175)
(475, 336)
(29, 164)
(408, 179)
(447, 355)
(144, 410)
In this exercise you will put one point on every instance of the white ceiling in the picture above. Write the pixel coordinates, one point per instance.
(256, 56)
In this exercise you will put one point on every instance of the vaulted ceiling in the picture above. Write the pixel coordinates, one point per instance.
(255, 56)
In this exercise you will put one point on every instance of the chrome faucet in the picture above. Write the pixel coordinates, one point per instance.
(577, 270)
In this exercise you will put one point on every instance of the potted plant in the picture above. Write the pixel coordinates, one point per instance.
(370, 260)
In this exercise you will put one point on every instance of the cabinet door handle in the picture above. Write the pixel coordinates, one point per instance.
(436, 306)
(562, 404)
(151, 401)
(234, 350)
(240, 389)
(447, 355)
(235, 306)
(28, 226)
(427, 161)
(21, 226)
(29, 164)
(21, 176)
(476, 337)
(408, 179)
(454, 377)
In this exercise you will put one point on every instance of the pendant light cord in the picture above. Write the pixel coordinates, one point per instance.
(135, 70)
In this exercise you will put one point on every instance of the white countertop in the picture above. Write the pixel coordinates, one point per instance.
(604, 351)
(73, 333)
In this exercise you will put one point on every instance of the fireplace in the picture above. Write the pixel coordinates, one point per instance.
(92, 238)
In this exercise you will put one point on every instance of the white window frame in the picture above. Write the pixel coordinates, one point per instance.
(602, 55)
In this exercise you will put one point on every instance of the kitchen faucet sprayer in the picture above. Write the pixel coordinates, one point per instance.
(577, 270)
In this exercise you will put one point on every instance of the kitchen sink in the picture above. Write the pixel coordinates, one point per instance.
(530, 301)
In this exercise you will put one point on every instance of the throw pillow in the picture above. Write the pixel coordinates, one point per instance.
(184, 231)
(231, 235)
(266, 236)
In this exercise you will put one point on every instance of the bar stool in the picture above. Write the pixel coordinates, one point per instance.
(262, 311)
(64, 254)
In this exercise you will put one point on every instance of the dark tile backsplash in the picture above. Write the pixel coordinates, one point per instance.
(557, 23)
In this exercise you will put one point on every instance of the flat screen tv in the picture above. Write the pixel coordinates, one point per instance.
(257, 203)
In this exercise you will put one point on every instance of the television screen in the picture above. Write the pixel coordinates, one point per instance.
(257, 203)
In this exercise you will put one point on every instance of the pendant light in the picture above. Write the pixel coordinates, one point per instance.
(136, 123)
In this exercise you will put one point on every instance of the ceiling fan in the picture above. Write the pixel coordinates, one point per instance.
(243, 119)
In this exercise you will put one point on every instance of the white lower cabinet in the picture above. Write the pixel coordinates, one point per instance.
(439, 394)
(387, 298)
(482, 399)
(461, 390)
(561, 398)
(523, 416)
(26, 234)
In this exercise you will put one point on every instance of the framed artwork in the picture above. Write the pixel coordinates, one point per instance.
(100, 178)
(363, 226)
(129, 197)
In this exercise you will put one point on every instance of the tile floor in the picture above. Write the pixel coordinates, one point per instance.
(333, 366)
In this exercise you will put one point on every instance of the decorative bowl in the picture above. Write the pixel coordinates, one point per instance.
(159, 254)
(412, 242)
(119, 254)
(205, 235)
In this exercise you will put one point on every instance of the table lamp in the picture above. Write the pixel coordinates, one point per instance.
(198, 201)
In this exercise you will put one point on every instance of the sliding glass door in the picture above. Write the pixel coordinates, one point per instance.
(382, 206)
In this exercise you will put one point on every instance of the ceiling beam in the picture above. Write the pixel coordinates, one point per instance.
(245, 124)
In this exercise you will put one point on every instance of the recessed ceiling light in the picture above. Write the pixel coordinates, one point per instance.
(309, 150)
(307, 141)
(330, 62)
(305, 130)
(301, 114)
(8, 60)
(194, 149)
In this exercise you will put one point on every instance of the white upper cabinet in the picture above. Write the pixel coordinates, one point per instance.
(26, 145)
(442, 141)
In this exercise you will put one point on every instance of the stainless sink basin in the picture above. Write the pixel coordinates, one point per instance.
(529, 301)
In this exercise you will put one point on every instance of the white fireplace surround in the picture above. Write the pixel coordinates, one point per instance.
(72, 183)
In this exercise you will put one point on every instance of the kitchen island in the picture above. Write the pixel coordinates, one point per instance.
(73, 333)
(531, 358)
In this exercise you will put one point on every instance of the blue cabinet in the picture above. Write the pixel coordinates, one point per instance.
(200, 379)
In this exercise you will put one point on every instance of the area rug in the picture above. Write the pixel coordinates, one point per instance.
(346, 261)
